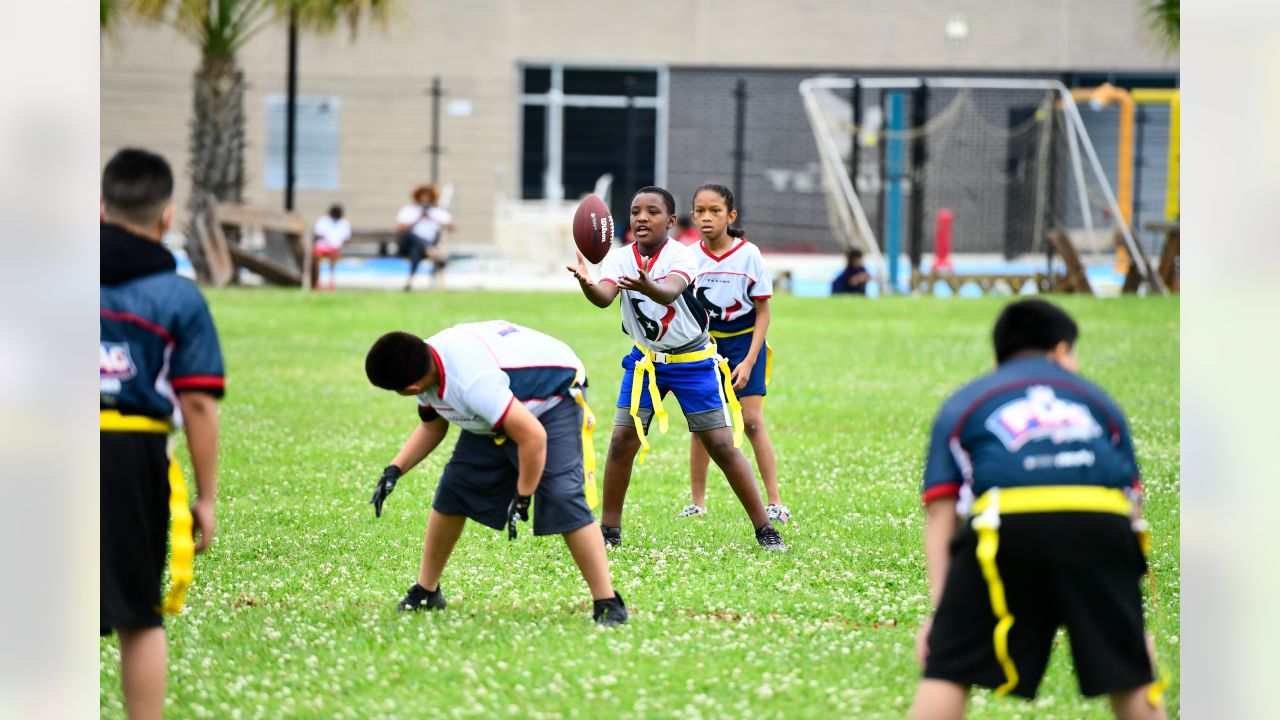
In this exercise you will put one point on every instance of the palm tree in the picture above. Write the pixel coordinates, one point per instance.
(1164, 19)
(220, 28)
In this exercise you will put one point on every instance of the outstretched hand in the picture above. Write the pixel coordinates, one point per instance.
(580, 271)
(642, 283)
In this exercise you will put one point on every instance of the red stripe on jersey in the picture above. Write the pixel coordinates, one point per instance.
(440, 366)
(761, 297)
(609, 280)
(944, 490)
(199, 382)
(682, 274)
(503, 417)
(720, 258)
(141, 322)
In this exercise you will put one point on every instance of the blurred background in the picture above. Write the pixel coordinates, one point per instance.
(517, 110)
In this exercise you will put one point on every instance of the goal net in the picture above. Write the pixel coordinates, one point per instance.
(1009, 161)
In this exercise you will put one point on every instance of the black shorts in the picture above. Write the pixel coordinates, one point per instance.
(1078, 569)
(480, 479)
(134, 528)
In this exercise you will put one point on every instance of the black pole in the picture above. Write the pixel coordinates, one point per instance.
(436, 93)
(884, 162)
(739, 142)
(855, 102)
(291, 110)
(629, 139)
(919, 116)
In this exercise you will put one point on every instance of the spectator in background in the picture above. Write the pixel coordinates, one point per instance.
(331, 232)
(419, 228)
(686, 233)
(853, 279)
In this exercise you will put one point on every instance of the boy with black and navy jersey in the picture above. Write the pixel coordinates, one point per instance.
(1035, 467)
(517, 396)
(160, 369)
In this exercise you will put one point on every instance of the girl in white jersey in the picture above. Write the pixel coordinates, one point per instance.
(734, 287)
(672, 352)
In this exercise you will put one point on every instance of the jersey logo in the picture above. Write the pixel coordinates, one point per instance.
(506, 330)
(653, 329)
(717, 313)
(1042, 415)
(115, 361)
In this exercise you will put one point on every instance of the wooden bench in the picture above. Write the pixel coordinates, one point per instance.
(986, 282)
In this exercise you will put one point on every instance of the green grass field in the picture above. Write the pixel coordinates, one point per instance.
(292, 612)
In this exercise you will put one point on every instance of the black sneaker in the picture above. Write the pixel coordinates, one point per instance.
(769, 538)
(610, 612)
(420, 598)
(612, 536)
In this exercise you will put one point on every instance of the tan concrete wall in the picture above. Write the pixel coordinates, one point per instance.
(382, 76)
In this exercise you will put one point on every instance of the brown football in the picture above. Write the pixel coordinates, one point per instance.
(593, 228)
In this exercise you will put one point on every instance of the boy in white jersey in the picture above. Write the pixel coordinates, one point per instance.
(734, 287)
(517, 396)
(672, 353)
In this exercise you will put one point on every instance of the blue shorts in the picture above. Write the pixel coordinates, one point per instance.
(735, 349)
(698, 387)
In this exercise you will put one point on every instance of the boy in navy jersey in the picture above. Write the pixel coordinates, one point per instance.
(161, 368)
(1035, 466)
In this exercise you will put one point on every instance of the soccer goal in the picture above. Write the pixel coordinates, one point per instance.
(1002, 162)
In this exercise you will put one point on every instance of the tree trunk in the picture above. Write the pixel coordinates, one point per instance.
(217, 148)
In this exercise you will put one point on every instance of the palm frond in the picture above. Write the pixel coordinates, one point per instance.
(1164, 20)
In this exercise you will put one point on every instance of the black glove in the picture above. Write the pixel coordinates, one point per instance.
(517, 510)
(384, 488)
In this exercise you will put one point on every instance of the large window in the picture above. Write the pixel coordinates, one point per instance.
(579, 123)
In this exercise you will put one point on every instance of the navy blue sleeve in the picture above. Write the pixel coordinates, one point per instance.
(196, 364)
(942, 476)
(426, 413)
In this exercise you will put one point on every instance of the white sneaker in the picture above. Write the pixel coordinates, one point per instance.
(692, 510)
(778, 514)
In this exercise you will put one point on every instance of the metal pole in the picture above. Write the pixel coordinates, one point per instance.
(629, 137)
(739, 141)
(436, 92)
(919, 115)
(855, 104)
(290, 109)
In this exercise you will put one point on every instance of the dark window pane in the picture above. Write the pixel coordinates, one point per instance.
(595, 143)
(610, 82)
(533, 156)
(537, 80)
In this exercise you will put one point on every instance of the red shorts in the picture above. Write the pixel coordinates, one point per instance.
(324, 249)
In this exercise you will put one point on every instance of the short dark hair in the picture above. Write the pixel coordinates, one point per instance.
(397, 360)
(853, 255)
(667, 198)
(1032, 325)
(136, 186)
(335, 211)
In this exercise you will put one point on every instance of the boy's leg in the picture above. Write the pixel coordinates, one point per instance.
(730, 460)
(1133, 705)
(442, 534)
(623, 447)
(939, 700)
(144, 659)
(587, 547)
(698, 462)
(761, 444)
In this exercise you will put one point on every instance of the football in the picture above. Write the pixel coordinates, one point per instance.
(593, 229)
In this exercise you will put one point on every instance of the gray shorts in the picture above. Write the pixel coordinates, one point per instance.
(698, 421)
(480, 479)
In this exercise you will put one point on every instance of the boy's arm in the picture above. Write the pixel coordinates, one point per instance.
(531, 445)
(939, 525)
(600, 294)
(420, 443)
(200, 416)
(742, 373)
(663, 293)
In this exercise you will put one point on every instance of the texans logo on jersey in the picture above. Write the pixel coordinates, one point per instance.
(717, 313)
(115, 361)
(1042, 415)
(653, 329)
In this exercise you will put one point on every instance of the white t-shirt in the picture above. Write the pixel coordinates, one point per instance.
(425, 225)
(487, 366)
(678, 327)
(333, 232)
(727, 285)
